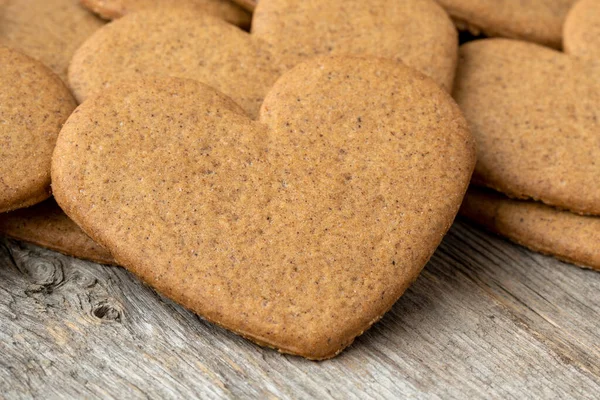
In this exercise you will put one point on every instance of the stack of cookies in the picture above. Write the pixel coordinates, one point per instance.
(289, 183)
(534, 114)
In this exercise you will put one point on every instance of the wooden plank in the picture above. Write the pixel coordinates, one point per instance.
(547, 295)
(486, 319)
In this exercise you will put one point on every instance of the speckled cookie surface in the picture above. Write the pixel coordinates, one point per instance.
(225, 9)
(298, 230)
(534, 114)
(537, 21)
(46, 225)
(47, 30)
(179, 43)
(582, 30)
(417, 32)
(564, 235)
(34, 104)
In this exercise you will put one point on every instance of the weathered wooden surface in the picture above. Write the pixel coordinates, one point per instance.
(486, 319)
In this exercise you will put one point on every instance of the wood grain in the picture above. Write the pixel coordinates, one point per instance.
(486, 319)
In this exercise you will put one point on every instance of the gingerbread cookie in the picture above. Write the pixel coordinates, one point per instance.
(537, 21)
(34, 104)
(416, 32)
(46, 225)
(534, 113)
(564, 235)
(582, 30)
(297, 231)
(47, 30)
(225, 9)
(181, 43)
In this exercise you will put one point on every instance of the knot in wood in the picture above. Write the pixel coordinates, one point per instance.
(107, 312)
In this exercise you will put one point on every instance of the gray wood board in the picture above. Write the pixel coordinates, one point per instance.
(486, 319)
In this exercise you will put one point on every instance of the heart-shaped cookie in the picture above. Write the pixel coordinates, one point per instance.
(47, 30)
(297, 231)
(538, 21)
(190, 44)
(46, 225)
(534, 114)
(34, 103)
(582, 30)
(225, 9)
(564, 235)
(416, 32)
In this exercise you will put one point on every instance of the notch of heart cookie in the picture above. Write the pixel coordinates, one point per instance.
(297, 231)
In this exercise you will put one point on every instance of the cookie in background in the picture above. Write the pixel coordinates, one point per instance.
(416, 32)
(183, 43)
(538, 21)
(534, 114)
(34, 103)
(582, 30)
(47, 30)
(569, 237)
(46, 225)
(225, 9)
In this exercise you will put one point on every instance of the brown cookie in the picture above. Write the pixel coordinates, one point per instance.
(564, 235)
(582, 30)
(179, 43)
(534, 114)
(416, 32)
(46, 225)
(537, 21)
(225, 9)
(47, 30)
(297, 231)
(34, 104)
